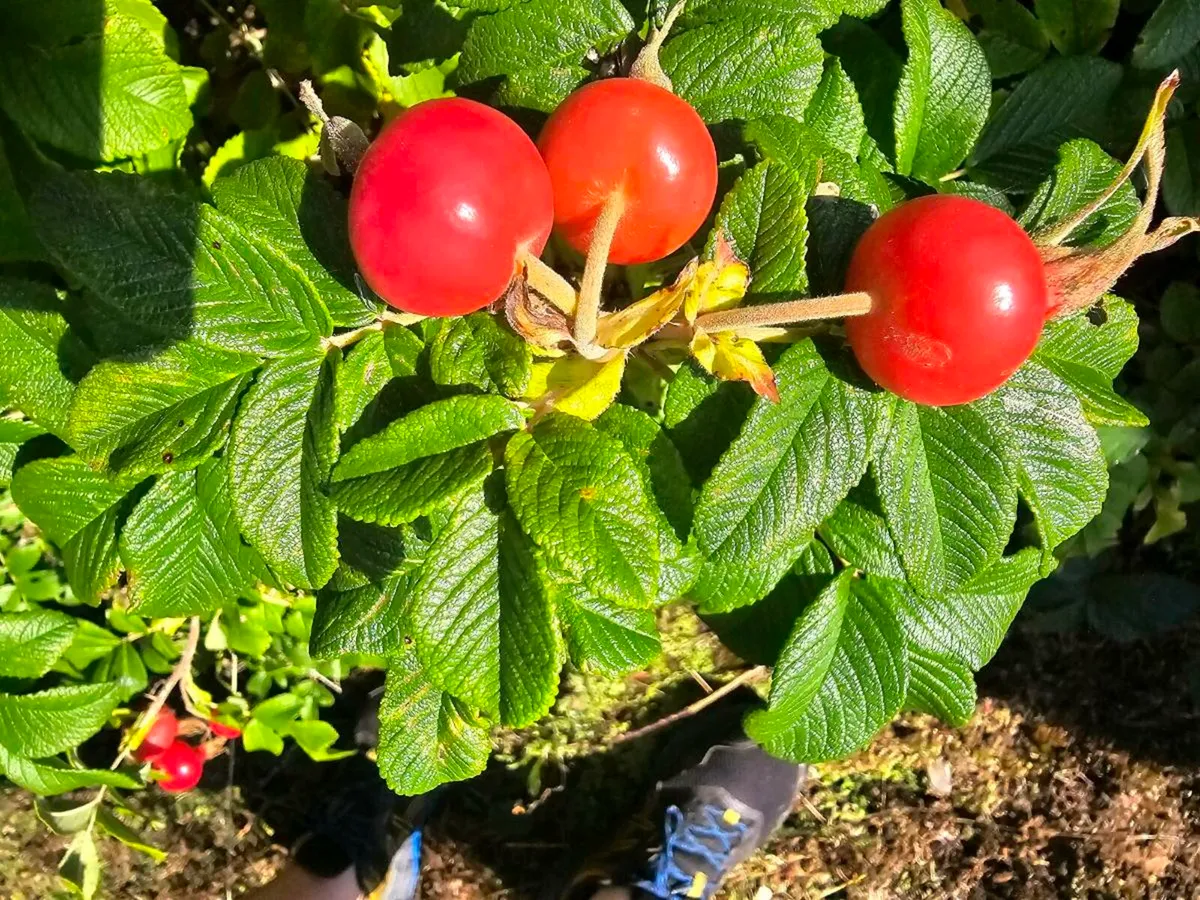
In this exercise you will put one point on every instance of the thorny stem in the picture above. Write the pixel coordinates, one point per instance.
(758, 673)
(549, 283)
(588, 310)
(181, 670)
(647, 66)
(789, 311)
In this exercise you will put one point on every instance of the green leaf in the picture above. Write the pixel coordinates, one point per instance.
(746, 62)
(946, 493)
(40, 353)
(481, 617)
(32, 642)
(841, 677)
(259, 736)
(1172, 31)
(92, 79)
(55, 720)
(89, 643)
(109, 824)
(1082, 173)
(161, 410)
(364, 607)
(1064, 99)
(50, 777)
(603, 637)
(875, 68)
(79, 509)
(436, 428)
(17, 240)
(791, 465)
(950, 636)
(815, 159)
(125, 669)
(1077, 28)
(183, 270)
(182, 547)
(703, 416)
(80, 866)
(284, 203)
(478, 350)
(540, 46)
(405, 493)
(834, 111)
(757, 633)
(13, 433)
(1088, 356)
(363, 373)
(763, 215)
(1181, 178)
(1060, 467)
(282, 448)
(426, 737)
(666, 478)
(944, 92)
(316, 738)
(1179, 312)
(581, 498)
(1012, 38)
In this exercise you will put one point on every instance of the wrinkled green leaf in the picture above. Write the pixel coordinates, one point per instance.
(32, 642)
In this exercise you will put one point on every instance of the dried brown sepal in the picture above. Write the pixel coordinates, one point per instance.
(538, 321)
(1078, 277)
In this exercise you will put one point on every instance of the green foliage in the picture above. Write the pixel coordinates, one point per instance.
(208, 414)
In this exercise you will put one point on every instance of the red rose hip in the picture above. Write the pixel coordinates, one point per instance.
(179, 767)
(958, 297)
(160, 736)
(628, 135)
(444, 202)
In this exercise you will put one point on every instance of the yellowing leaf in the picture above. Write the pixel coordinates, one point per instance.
(630, 326)
(734, 358)
(576, 386)
(718, 283)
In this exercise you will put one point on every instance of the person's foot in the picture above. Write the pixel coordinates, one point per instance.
(716, 814)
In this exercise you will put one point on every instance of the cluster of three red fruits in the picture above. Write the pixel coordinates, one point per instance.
(452, 197)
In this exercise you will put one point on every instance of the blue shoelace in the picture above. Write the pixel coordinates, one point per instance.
(670, 881)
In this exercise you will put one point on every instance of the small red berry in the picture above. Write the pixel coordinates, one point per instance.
(221, 730)
(160, 736)
(179, 767)
(626, 134)
(444, 202)
(958, 296)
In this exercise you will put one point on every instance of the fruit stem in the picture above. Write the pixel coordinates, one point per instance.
(588, 310)
(549, 283)
(346, 338)
(647, 66)
(787, 312)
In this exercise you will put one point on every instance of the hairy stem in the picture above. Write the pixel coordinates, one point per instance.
(647, 66)
(787, 312)
(346, 338)
(588, 309)
(549, 283)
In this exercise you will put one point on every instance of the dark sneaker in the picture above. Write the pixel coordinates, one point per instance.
(716, 814)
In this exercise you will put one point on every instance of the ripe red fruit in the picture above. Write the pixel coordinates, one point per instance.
(958, 296)
(626, 134)
(180, 767)
(221, 730)
(444, 201)
(160, 736)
